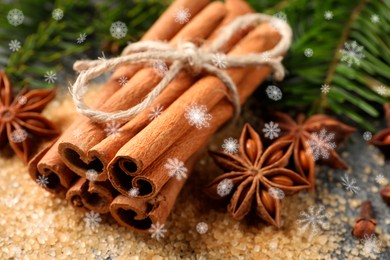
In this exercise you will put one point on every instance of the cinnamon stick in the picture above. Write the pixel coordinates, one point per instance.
(75, 152)
(50, 163)
(96, 196)
(155, 139)
(140, 213)
(107, 148)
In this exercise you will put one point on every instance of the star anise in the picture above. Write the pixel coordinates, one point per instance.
(256, 175)
(382, 138)
(20, 117)
(304, 132)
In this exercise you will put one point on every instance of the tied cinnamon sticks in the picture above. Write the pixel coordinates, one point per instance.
(130, 179)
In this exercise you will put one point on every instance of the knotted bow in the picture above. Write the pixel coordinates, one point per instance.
(184, 55)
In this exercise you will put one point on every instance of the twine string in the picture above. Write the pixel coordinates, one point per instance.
(185, 55)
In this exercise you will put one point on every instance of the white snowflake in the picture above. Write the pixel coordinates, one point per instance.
(314, 220)
(92, 220)
(352, 53)
(230, 145)
(157, 231)
(182, 15)
(81, 38)
(57, 14)
(371, 245)
(265, 56)
(133, 192)
(50, 77)
(91, 175)
(328, 15)
(18, 135)
(380, 179)
(160, 67)
(118, 29)
(42, 181)
(22, 100)
(271, 130)
(279, 19)
(15, 17)
(308, 52)
(113, 128)
(273, 245)
(219, 60)
(325, 88)
(103, 57)
(202, 228)
(77, 133)
(123, 81)
(321, 144)
(225, 187)
(155, 112)
(375, 18)
(197, 116)
(176, 168)
(14, 45)
(274, 93)
(349, 184)
(367, 136)
(381, 90)
(276, 193)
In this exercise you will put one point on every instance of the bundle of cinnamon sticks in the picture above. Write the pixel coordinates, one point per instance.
(127, 173)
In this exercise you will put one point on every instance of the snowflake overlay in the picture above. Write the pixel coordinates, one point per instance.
(225, 187)
(118, 29)
(375, 18)
(182, 15)
(92, 220)
(15, 17)
(328, 15)
(113, 128)
(314, 220)
(57, 14)
(123, 81)
(133, 192)
(176, 168)
(160, 67)
(352, 53)
(155, 112)
(197, 116)
(381, 90)
(367, 136)
(277, 22)
(265, 56)
(219, 60)
(42, 181)
(18, 135)
(271, 130)
(274, 93)
(81, 38)
(230, 145)
(91, 175)
(22, 100)
(349, 184)
(157, 231)
(14, 45)
(308, 52)
(321, 144)
(276, 193)
(371, 245)
(202, 228)
(380, 179)
(50, 77)
(325, 88)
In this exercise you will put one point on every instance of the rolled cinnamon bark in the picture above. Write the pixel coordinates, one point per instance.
(96, 196)
(107, 148)
(140, 213)
(155, 139)
(75, 152)
(50, 163)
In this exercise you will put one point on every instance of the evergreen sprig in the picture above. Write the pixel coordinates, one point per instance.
(354, 90)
